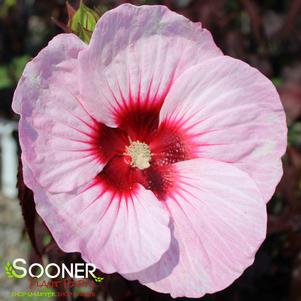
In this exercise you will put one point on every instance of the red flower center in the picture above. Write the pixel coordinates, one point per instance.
(140, 151)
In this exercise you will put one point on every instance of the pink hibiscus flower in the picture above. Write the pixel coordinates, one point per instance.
(151, 152)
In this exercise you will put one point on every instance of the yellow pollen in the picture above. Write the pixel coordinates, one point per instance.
(139, 153)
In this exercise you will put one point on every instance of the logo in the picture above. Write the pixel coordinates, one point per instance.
(42, 282)
(19, 269)
(98, 279)
(10, 272)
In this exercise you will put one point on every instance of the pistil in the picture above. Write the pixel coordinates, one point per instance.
(140, 154)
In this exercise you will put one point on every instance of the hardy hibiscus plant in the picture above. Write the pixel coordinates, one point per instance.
(150, 152)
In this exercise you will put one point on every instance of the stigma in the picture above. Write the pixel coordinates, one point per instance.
(139, 154)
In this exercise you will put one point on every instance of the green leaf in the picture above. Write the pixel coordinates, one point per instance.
(11, 73)
(5, 77)
(294, 134)
(18, 64)
(5, 6)
(83, 22)
(46, 240)
(277, 81)
(9, 270)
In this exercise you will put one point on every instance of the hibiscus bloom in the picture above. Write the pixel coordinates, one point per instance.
(150, 152)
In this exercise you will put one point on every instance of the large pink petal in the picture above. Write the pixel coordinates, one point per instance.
(117, 233)
(57, 135)
(231, 113)
(219, 220)
(134, 56)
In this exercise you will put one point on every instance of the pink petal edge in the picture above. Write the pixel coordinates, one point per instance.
(117, 235)
(231, 113)
(133, 58)
(219, 221)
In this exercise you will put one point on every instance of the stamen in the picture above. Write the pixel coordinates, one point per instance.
(140, 154)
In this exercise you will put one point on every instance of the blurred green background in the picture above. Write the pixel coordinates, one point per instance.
(267, 35)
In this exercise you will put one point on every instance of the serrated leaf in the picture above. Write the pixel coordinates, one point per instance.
(83, 22)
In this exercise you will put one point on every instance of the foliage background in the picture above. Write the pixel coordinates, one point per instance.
(267, 35)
